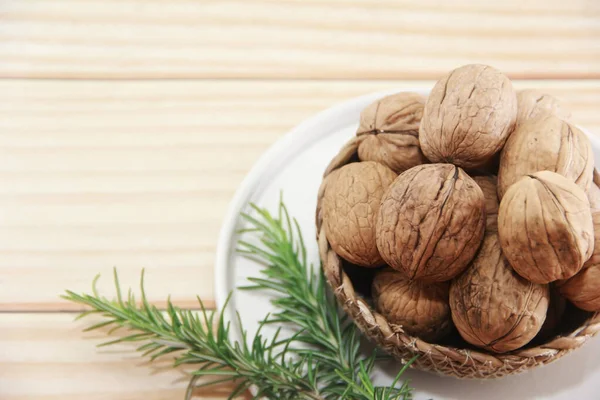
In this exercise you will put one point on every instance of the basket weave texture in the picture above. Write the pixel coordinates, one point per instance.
(441, 359)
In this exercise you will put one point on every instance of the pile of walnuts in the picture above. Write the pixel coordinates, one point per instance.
(478, 206)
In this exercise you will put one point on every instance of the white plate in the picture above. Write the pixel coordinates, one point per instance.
(294, 165)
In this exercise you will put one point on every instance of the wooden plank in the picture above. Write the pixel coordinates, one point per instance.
(46, 357)
(137, 175)
(382, 39)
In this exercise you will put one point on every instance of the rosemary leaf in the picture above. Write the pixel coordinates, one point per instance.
(321, 361)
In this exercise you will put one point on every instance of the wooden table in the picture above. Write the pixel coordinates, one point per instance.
(126, 126)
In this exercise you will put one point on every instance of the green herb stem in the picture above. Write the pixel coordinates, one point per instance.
(321, 361)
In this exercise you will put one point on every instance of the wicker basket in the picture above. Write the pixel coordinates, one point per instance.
(455, 358)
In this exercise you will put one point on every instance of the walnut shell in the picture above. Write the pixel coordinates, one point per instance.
(532, 103)
(468, 116)
(546, 143)
(545, 227)
(431, 222)
(594, 197)
(593, 192)
(321, 194)
(350, 205)
(583, 289)
(420, 308)
(493, 307)
(487, 183)
(389, 129)
(595, 257)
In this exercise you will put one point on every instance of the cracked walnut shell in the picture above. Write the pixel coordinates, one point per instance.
(546, 143)
(468, 116)
(420, 308)
(545, 227)
(350, 205)
(389, 131)
(431, 222)
(493, 307)
(532, 103)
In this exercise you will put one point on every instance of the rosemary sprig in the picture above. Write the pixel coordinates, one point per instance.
(303, 301)
(320, 361)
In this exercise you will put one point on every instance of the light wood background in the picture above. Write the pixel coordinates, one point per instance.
(126, 126)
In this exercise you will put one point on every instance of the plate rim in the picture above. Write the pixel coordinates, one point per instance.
(227, 233)
(301, 133)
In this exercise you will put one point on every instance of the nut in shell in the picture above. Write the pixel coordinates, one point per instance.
(594, 197)
(350, 205)
(545, 227)
(546, 143)
(389, 131)
(420, 308)
(583, 289)
(594, 192)
(595, 257)
(431, 222)
(468, 116)
(532, 103)
(492, 306)
(488, 186)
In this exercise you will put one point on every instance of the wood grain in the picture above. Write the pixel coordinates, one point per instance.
(46, 357)
(96, 175)
(127, 162)
(353, 39)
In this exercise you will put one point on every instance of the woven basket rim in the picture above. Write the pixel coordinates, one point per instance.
(442, 359)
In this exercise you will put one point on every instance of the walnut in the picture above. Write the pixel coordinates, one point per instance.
(420, 308)
(468, 116)
(493, 307)
(487, 183)
(583, 289)
(546, 143)
(594, 197)
(431, 222)
(389, 129)
(593, 192)
(545, 227)
(595, 257)
(532, 103)
(350, 205)
(321, 194)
